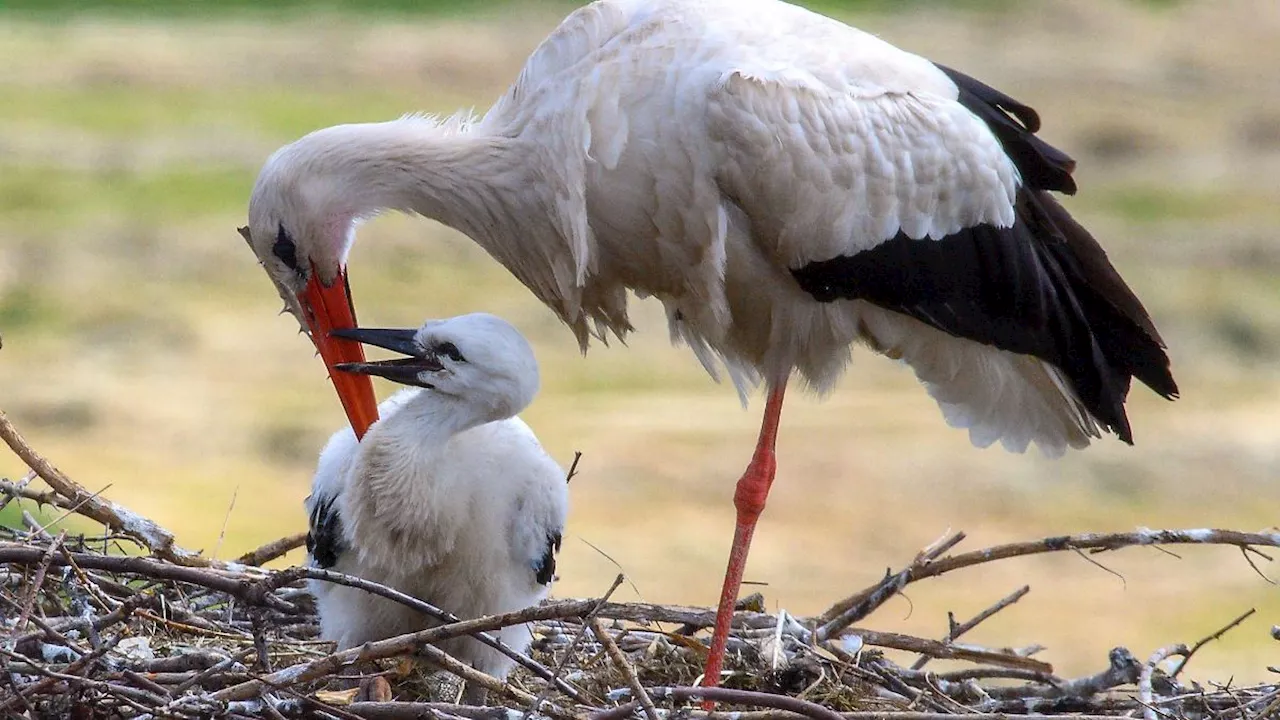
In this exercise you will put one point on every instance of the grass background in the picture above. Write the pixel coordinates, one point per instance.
(142, 350)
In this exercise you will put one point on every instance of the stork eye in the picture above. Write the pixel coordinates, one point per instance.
(450, 351)
(285, 249)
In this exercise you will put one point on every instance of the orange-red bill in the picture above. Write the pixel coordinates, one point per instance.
(329, 308)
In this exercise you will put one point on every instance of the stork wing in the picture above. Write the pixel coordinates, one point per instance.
(325, 539)
(933, 203)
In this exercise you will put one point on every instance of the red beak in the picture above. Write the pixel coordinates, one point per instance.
(329, 308)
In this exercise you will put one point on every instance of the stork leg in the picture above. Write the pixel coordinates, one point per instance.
(749, 499)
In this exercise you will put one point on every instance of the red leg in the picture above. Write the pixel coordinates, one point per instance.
(753, 490)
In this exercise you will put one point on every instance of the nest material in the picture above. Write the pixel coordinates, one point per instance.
(92, 629)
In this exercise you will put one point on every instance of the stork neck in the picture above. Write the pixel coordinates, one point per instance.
(430, 418)
(463, 177)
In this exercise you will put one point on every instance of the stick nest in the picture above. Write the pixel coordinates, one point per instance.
(127, 624)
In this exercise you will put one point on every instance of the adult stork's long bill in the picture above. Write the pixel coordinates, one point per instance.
(786, 186)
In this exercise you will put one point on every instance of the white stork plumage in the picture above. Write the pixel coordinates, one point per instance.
(786, 185)
(448, 498)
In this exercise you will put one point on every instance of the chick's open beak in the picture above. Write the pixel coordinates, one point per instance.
(328, 308)
(404, 370)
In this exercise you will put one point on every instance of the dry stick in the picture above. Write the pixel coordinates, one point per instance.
(403, 644)
(213, 671)
(1245, 552)
(45, 628)
(13, 685)
(863, 603)
(417, 710)
(1146, 693)
(69, 511)
(568, 653)
(954, 630)
(96, 593)
(118, 615)
(273, 550)
(242, 587)
(286, 577)
(1205, 640)
(38, 582)
(13, 491)
(310, 701)
(802, 708)
(493, 684)
(573, 467)
(892, 584)
(116, 517)
(624, 666)
(945, 651)
(226, 519)
(872, 715)
(45, 683)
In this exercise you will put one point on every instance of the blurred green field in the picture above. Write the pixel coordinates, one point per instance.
(142, 349)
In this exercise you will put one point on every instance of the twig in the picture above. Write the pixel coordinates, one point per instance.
(954, 630)
(863, 603)
(272, 550)
(568, 653)
(116, 517)
(403, 644)
(38, 582)
(1205, 640)
(624, 666)
(947, 651)
(1244, 550)
(1123, 583)
(222, 534)
(1146, 693)
(717, 694)
(240, 587)
(287, 576)
(573, 468)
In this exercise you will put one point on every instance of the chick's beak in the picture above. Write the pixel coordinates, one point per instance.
(404, 370)
(328, 308)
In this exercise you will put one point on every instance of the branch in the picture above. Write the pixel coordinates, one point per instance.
(624, 666)
(954, 631)
(863, 603)
(1146, 692)
(288, 576)
(945, 651)
(401, 645)
(876, 595)
(802, 708)
(1205, 640)
(114, 516)
(240, 587)
(272, 550)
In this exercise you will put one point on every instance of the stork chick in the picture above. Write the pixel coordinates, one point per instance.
(449, 498)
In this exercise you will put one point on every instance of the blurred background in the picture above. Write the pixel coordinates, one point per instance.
(143, 354)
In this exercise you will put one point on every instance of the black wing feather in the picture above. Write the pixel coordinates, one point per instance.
(1014, 124)
(324, 533)
(1043, 287)
(546, 567)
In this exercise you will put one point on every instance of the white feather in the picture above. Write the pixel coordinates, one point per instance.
(448, 498)
(695, 151)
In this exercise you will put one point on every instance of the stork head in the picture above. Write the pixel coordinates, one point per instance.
(477, 359)
(302, 218)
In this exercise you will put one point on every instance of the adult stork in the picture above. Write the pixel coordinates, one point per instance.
(786, 186)
(449, 497)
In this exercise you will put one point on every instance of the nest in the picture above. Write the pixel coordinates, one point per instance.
(127, 624)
